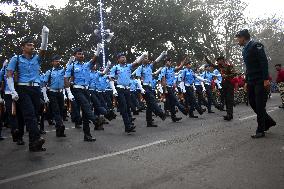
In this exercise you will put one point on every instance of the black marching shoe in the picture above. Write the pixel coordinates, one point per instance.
(163, 116)
(228, 118)
(130, 129)
(175, 119)
(210, 112)
(78, 125)
(258, 135)
(89, 138)
(151, 125)
(269, 124)
(60, 132)
(36, 146)
(20, 142)
(192, 115)
(42, 132)
(1, 138)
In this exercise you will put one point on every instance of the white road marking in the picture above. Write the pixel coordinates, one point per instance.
(79, 162)
(252, 116)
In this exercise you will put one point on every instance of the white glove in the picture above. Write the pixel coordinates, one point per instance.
(193, 86)
(107, 67)
(99, 48)
(10, 82)
(160, 88)
(71, 59)
(140, 86)
(182, 87)
(44, 38)
(64, 95)
(140, 58)
(218, 84)
(162, 55)
(5, 63)
(203, 87)
(45, 97)
(114, 91)
(69, 94)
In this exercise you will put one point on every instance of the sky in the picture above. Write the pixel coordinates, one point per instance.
(255, 9)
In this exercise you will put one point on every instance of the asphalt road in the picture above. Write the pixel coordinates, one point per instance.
(195, 153)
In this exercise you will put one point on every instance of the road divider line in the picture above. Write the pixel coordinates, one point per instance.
(79, 162)
(252, 116)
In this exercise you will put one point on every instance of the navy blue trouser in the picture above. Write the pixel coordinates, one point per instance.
(15, 121)
(82, 97)
(109, 99)
(209, 96)
(200, 97)
(134, 103)
(172, 100)
(151, 103)
(124, 106)
(258, 95)
(190, 100)
(29, 101)
(57, 105)
(99, 108)
(75, 112)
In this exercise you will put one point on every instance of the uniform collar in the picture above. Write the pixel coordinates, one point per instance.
(23, 56)
(247, 44)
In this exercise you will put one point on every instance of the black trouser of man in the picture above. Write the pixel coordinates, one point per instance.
(152, 105)
(82, 97)
(173, 102)
(99, 108)
(29, 101)
(209, 96)
(15, 121)
(258, 95)
(109, 99)
(57, 105)
(124, 106)
(75, 112)
(222, 97)
(228, 92)
(190, 100)
(134, 103)
(200, 97)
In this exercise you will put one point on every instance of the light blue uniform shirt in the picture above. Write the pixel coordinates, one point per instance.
(133, 85)
(3, 77)
(103, 84)
(145, 72)
(94, 79)
(169, 74)
(81, 72)
(188, 76)
(54, 78)
(217, 74)
(208, 76)
(122, 73)
(28, 69)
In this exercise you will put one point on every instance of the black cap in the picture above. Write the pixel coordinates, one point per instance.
(168, 59)
(243, 33)
(55, 58)
(120, 55)
(220, 58)
(78, 49)
(188, 62)
(27, 40)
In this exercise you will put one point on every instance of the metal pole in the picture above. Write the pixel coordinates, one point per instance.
(102, 31)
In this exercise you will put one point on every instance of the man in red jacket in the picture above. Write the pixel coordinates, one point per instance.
(280, 82)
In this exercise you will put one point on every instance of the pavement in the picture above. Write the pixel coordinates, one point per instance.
(195, 153)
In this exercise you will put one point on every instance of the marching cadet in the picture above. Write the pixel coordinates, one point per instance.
(168, 82)
(188, 77)
(95, 88)
(2, 104)
(15, 118)
(217, 77)
(227, 74)
(122, 71)
(54, 79)
(200, 90)
(208, 77)
(257, 78)
(28, 91)
(145, 75)
(79, 73)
